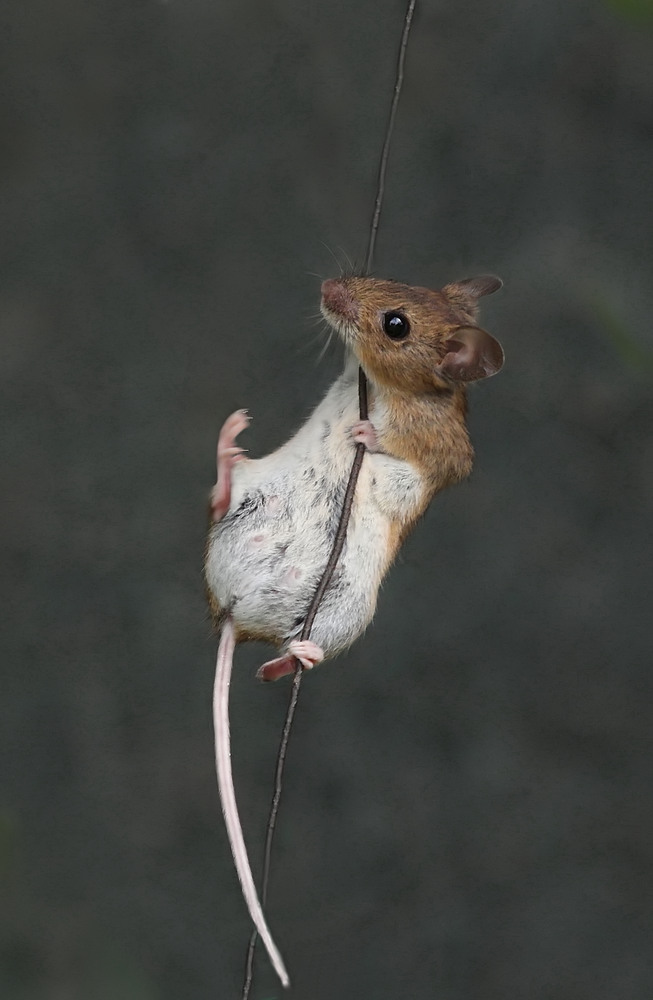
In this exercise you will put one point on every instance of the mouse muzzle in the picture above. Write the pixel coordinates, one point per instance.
(339, 305)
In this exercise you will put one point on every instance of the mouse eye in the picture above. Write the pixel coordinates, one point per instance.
(396, 325)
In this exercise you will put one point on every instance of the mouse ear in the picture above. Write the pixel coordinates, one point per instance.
(466, 293)
(472, 354)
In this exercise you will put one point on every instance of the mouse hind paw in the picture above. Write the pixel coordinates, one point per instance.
(308, 654)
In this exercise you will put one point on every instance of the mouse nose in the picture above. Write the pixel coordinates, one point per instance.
(338, 299)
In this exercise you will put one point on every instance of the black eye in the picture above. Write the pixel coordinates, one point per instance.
(396, 325)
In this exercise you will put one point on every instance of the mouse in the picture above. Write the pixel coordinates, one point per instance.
(273, 519)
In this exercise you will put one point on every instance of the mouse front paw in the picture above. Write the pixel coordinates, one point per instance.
(228, 454)
(363, 432)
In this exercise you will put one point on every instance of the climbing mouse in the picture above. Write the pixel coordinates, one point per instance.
(274, 518)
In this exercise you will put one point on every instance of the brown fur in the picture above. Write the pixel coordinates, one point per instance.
(430, 432)
(426, 404)
(419, 379)
(403, 365)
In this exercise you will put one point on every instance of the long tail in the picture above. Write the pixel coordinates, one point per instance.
(228, 796)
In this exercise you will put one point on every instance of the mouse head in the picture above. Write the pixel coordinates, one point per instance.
(414, 339)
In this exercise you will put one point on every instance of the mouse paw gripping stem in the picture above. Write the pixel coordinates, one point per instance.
(363, 432)
(308, 654)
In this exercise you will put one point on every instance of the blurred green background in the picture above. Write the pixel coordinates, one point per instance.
(468, 803)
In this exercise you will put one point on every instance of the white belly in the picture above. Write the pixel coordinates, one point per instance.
(265, 558)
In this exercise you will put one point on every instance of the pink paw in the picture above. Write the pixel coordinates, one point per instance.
(363, 433)
(228, 454)
(306, 652)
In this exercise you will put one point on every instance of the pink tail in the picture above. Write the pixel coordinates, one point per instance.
(228, 795)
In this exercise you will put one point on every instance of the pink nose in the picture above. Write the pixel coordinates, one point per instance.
(337, 297)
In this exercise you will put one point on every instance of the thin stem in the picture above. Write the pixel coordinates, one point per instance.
(383, 162)
(343, 523)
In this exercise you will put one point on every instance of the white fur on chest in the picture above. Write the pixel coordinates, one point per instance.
(266, 556)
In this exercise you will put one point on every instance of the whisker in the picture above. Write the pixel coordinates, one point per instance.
(325, 347)
(338, 264)
(349, 261)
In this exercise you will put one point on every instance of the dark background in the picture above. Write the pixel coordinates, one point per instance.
(467, 812)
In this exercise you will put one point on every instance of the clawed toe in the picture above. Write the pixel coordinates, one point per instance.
(235, 452)
(236, 422)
